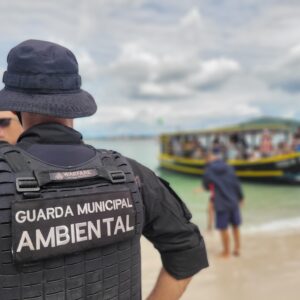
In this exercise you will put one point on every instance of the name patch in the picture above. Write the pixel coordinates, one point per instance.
(72, 175)
(50, 227)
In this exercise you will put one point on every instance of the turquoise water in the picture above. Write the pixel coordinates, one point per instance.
(265, 204)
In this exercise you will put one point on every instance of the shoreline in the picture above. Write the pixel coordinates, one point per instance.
(268, 268)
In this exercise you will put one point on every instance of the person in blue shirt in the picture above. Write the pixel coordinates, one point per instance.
(226, 196)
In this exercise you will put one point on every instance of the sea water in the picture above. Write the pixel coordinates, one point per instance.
(267, 207)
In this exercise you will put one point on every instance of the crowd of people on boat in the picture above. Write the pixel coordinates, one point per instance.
(234, 146)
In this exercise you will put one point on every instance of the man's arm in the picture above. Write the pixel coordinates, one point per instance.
(239, 189)
(168, 288)
(167, 225)
(240, 192)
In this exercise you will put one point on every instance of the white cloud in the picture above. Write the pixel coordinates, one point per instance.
(192, 19)
(88, 67)
(213, 73)
(162, 91)
(284, 74)
(192, 63)
(171, 76)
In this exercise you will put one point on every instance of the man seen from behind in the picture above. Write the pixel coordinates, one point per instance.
(72, 216)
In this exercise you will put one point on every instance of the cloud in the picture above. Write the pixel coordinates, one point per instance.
(89, 68)
(147, 75)
(213, 73)
(285, 73)
(190, 63)
(192, 19)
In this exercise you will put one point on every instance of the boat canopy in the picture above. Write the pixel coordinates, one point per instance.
(280, 125)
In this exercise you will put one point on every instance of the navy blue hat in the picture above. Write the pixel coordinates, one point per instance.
(42, 77)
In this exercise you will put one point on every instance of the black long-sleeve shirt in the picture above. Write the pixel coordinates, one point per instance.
(167, 220)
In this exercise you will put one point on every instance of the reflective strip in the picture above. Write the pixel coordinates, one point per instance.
(190, 170)
(260, 173)
(183, 169)
(188, 161)
(273, 159)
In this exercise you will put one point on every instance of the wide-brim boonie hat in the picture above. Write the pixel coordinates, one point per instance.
(42, 77)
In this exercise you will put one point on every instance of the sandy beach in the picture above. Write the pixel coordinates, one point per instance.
(269, 268)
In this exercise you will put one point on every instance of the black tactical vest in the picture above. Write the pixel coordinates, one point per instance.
(71, 233)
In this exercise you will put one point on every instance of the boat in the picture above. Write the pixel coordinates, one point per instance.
(282, 166)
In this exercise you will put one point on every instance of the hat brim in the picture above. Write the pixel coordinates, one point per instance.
(67, 105)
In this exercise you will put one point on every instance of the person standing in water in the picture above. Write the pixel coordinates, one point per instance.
(226, 197)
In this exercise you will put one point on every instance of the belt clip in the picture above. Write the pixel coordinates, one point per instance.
(27, 184)
(117, 176)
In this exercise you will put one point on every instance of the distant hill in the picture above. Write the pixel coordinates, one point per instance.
(272, 121)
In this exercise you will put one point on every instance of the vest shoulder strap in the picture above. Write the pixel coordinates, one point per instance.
(14, 158)
(115, 160)
(25, 180)
(118, 160)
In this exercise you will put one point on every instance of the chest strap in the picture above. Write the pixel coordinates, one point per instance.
(28, 180)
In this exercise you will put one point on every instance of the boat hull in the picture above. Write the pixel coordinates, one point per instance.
(281, 168)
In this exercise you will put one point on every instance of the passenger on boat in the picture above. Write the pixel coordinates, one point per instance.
(219, 146)
(283, 148)
(240, 144)
(176, 146)
(190, 145)
(199, 151)
(296, 141)
(266, 145)
(232, 152)
(255, 154)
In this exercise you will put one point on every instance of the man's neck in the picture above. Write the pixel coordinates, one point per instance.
(30, 119)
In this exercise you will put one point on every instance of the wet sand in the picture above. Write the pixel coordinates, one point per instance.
(268, 268)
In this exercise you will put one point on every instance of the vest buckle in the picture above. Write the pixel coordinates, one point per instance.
(117, 176)
(27, 184)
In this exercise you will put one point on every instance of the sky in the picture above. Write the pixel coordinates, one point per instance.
(165, 65)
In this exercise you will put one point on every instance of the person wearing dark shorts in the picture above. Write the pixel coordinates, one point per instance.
(227, 198)
(224, 218)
